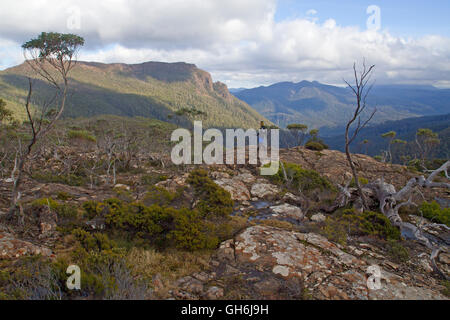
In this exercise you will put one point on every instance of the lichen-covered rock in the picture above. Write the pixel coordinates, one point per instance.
(235, 187)
(246, 178)
(288, 211)
(269, 257)
(318, 217)
(214, 293)
(190, 285)
(173, 184)
(12, 248)
(291, 198)
(334, 165)
(264, 190)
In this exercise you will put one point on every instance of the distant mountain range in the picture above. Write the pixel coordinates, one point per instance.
(236, 90)
(151, 89)
(325, 106)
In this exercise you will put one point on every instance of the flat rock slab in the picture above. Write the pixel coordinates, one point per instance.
(264, 190)
(326, 269)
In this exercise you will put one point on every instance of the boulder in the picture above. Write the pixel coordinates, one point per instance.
(288, 211)
(235, 187)
(318, 217)
(264, 190)
(122, 186)
(292, 199)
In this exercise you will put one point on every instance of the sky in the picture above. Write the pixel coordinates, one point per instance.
(247, 43)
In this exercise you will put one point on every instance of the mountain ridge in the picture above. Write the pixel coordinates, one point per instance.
(149, 89)
(322, 105)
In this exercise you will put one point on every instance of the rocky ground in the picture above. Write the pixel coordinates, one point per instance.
(281, 253)
(273, 263)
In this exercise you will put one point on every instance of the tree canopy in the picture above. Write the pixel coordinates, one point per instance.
(53, 45)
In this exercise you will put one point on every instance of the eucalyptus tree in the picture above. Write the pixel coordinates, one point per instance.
(51, 56)
(299, 131)
(390, 136)
(426, 140)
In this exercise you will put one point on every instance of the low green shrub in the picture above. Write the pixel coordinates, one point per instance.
(303, 179)
(136, 217)
(362, 181)
(152, 179)
(31, 278)
(81, 135)
(335, 230)
(434, 212)
(62, 210)
(315, 145)
(68, 179)
(371, 223)
(347, 222)
(93, 209)
(213, 200)
(396, 251)
(446, 290)
(190, 232)
(161, 226)
(99, 259)
(158, 195)
(62, 195)
(93, 242)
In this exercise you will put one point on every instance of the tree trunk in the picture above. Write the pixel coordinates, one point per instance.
(354, 172)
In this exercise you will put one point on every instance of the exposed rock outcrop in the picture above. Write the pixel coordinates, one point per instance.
(276, 263)
(288, 211)
(264, 190)
(235, 187)
(13, 248)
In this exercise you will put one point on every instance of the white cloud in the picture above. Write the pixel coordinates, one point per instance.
(311, 12)
(237, 41)
(10, 53)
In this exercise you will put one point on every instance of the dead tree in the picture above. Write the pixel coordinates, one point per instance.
(388, 197)
(51, 56)
(391, 201)
(360, 90)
